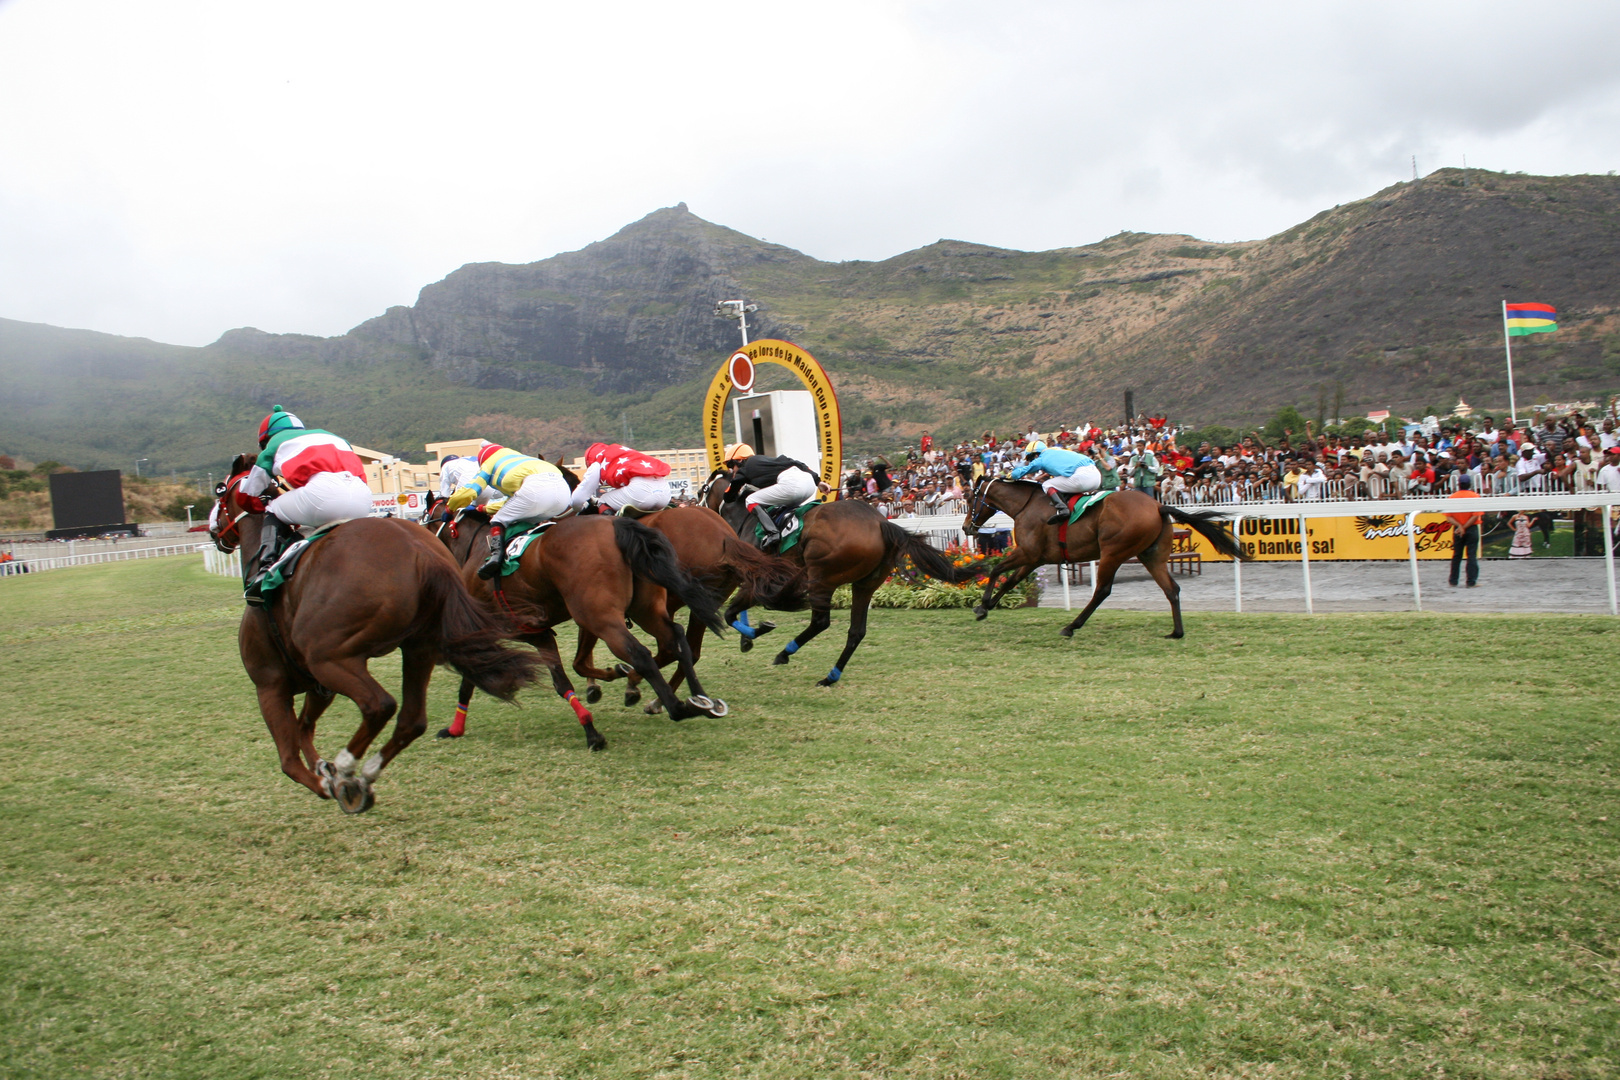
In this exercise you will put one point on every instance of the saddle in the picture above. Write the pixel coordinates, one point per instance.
(518, 543)
(789, 526)
(281, 571)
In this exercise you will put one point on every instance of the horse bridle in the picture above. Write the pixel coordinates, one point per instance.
(223, 493)
(980, 490)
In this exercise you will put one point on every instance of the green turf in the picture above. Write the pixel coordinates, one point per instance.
(1348, 846)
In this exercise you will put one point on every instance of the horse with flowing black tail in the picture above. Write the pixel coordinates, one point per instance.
(367, 587)
(1127, 524)
(708, 550)
(843, 543)
(597, 571)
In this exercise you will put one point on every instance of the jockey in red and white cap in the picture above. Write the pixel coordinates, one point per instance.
(619, 477)
(326, 478)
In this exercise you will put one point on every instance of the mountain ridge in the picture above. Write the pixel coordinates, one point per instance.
(1388, 301)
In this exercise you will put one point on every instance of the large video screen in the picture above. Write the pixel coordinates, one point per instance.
(83, 499)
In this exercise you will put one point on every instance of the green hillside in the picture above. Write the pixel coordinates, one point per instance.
(1388, 302)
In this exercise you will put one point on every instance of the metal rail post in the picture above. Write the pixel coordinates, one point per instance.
(1237, 567)
(1305, 561)
(1411, 554)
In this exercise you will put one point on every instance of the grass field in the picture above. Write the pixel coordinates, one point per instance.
(1349, 846)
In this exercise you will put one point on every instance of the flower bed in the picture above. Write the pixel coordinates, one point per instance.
(909, 587)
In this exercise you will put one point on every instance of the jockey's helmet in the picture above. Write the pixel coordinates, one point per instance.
(738, 451)
(1035, 449)
(279, 420)
(488, 449)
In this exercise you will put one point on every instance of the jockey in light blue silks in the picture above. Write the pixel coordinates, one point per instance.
(1067, 473)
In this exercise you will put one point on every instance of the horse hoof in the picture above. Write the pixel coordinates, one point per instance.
(764, 628)
(594, 741)
(654, 707)
(325, 770)
(353, 795)
(700, 702)
(719, 709)
(781, 658)
(598, 746)
(979, 613)
(446, 733)
(1067, 631)
(826, 682)
(623, 669)
(745, 643)
(631, 697)
(593, 694)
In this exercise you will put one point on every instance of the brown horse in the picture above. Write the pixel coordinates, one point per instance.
(597, 571)
(708, 550)
(844, 543)
(369, 587)
(1128, 524)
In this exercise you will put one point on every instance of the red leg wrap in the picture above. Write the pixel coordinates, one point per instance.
(580, 710)
(458, 726)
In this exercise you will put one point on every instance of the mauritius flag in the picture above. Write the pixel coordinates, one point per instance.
(1522, 319)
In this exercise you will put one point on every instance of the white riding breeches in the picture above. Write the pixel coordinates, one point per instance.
(541, 497)
(327, 497)
(1085, 478)
(648, 494)
(793, 487)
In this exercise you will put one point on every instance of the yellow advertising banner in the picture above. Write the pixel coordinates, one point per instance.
(829, 425)
(1361, 537)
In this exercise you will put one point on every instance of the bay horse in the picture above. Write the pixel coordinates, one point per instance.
(723, 562)
(843, 543)
(597, 571)
(369, 587)
(1128, 524)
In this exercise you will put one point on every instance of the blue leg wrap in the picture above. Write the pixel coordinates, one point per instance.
(742, 627)
(791, 647)
(834, 675)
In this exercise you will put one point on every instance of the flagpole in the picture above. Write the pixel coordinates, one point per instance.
(1507, 343)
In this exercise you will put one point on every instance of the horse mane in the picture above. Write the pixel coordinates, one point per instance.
(241, 464)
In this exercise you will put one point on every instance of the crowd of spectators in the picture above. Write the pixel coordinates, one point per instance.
(1551, 454)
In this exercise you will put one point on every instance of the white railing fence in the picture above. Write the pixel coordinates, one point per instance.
(1227, 492)
(217, 562)
(59, 562)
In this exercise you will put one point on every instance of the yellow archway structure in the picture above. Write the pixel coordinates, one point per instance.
(829, 426)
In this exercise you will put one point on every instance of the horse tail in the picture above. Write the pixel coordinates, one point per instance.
(776, 583)
(925, 557)
(650, 556)
(469, 638)
(1211, 526)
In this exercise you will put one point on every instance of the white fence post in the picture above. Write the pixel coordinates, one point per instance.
(1305, 560)
(1411, 552)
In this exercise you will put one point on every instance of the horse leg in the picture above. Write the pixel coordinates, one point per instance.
(672, 639)
(860, 603)
(1009, 583)
(458, 724)
(350, 678)
(545, 643)
(1106, 569)
(820, 619)
(587, 649)
(409, 723)
(1160, 570)
(982, 608)
(276, 705)
(624, 645)
(315, 704)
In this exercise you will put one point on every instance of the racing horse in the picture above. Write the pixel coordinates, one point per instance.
(844, 543)
(597, 571)
(711, 552)
(369, 587)
(1127, 524)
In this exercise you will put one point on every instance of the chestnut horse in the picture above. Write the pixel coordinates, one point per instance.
(707, 549)
(844, 543)
(369, 587)
(1128, 524)
(597, 571)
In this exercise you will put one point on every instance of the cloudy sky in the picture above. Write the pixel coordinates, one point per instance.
(173, 169)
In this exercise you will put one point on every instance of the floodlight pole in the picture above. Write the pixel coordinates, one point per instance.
(736, 309)
(188, 517)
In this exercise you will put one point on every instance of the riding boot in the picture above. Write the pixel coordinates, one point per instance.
(1062, 505)
(497, 554)
(272, 541)
(772, 533)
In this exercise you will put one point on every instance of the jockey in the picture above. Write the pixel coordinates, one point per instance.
(622, 478)
(1067, 473)
(453, 472)
(327, 479)
(535, 491)
(779, 481)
